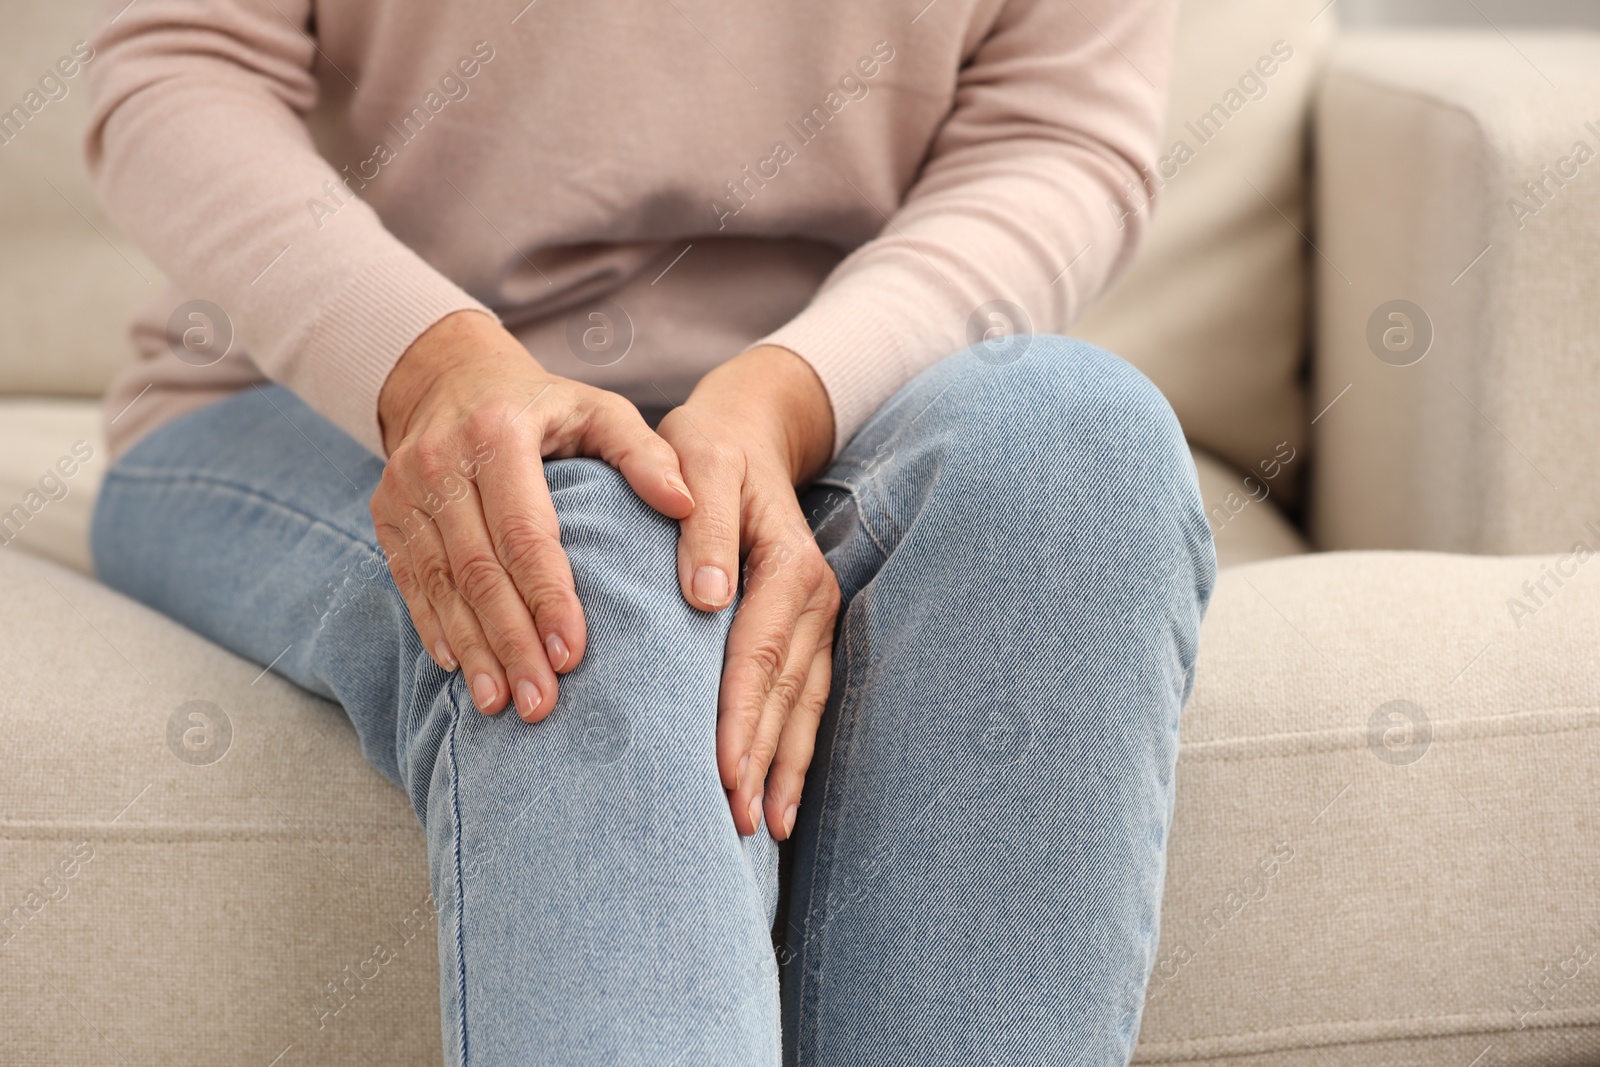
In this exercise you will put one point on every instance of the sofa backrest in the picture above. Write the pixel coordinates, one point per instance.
(1213, 309)
(68, 280)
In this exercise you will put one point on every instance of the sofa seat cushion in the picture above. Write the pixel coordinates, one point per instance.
(197, 866)
(1343, 887)
(1386, 847)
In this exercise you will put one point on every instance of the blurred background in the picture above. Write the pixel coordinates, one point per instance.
(1470, 13)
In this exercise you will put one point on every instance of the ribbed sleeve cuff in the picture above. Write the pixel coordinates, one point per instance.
(856, 352)
(364, 331)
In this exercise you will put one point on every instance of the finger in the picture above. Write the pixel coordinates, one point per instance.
(708, 548)
(786, 780)
(430, 631)
(613, 430)
(758, 648)
(502, 614)
(779, 703)
(527, 540)
(462, 633)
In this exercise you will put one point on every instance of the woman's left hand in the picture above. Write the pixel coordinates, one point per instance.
(753, 429)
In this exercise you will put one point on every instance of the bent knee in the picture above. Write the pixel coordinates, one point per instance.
(623, 553)
(1062, 420)
(1062, 395)
(1064, 451)
(648, 649)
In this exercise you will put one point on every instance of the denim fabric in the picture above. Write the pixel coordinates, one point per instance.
(976, 873)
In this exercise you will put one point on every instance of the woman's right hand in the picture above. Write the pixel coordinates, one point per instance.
(464, 516)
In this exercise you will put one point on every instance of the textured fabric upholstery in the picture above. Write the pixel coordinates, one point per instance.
(1243, 509)
(40, 441)
(1214, 308)
(182, 896)
(1348, 887)
(69, 282)
(1426, 148)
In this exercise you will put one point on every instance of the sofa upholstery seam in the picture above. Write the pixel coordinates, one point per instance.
(1399, 1031)
(1346, 740)
(135, 833)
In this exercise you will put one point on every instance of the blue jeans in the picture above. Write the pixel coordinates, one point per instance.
(976, 873)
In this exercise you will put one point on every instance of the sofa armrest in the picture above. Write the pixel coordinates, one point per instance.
(1459, 173)
(1385, 844)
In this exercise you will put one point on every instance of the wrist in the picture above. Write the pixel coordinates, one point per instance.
(783, 398)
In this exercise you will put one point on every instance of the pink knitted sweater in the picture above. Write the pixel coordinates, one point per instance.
(639, 189)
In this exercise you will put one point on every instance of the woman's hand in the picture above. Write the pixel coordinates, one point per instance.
(753, 429)
(465, 518)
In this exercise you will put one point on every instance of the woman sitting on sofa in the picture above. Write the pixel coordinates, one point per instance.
(684, 380)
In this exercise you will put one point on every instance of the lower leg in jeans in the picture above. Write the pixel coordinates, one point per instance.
(596, 904)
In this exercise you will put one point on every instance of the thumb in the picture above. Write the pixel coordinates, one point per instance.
(618, 434)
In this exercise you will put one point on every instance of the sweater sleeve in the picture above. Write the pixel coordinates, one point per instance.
(199, 150)
(1034, 192)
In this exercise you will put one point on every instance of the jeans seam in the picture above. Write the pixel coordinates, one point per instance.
(838, 768)
(867, 506)
(460, 882)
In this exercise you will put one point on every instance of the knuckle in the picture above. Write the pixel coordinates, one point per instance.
(410, 590)
(764, 746)
(723, 459)
(548, 596)
(766, 658)
(387, 533)
(488, 421)
(398, 460)
(429, 466)
(388, 494)
(668, 429)
(434, 578)
(712, 528)
(479, 578)
(430, 456)
(787, 691)
(519, 538)
(412, 524)
(810, 707)
(788, 775)
(613, 406)
(809, 564)
(712, 458)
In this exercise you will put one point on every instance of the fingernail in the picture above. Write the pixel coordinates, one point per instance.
(744, 765)
(676, 483)
(483, 691)
(441, 652)
(711, 586)
(558, 651)
(788, 819)
(528, 697)
(755, 811)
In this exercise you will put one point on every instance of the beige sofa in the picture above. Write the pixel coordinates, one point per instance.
(1387, 843)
